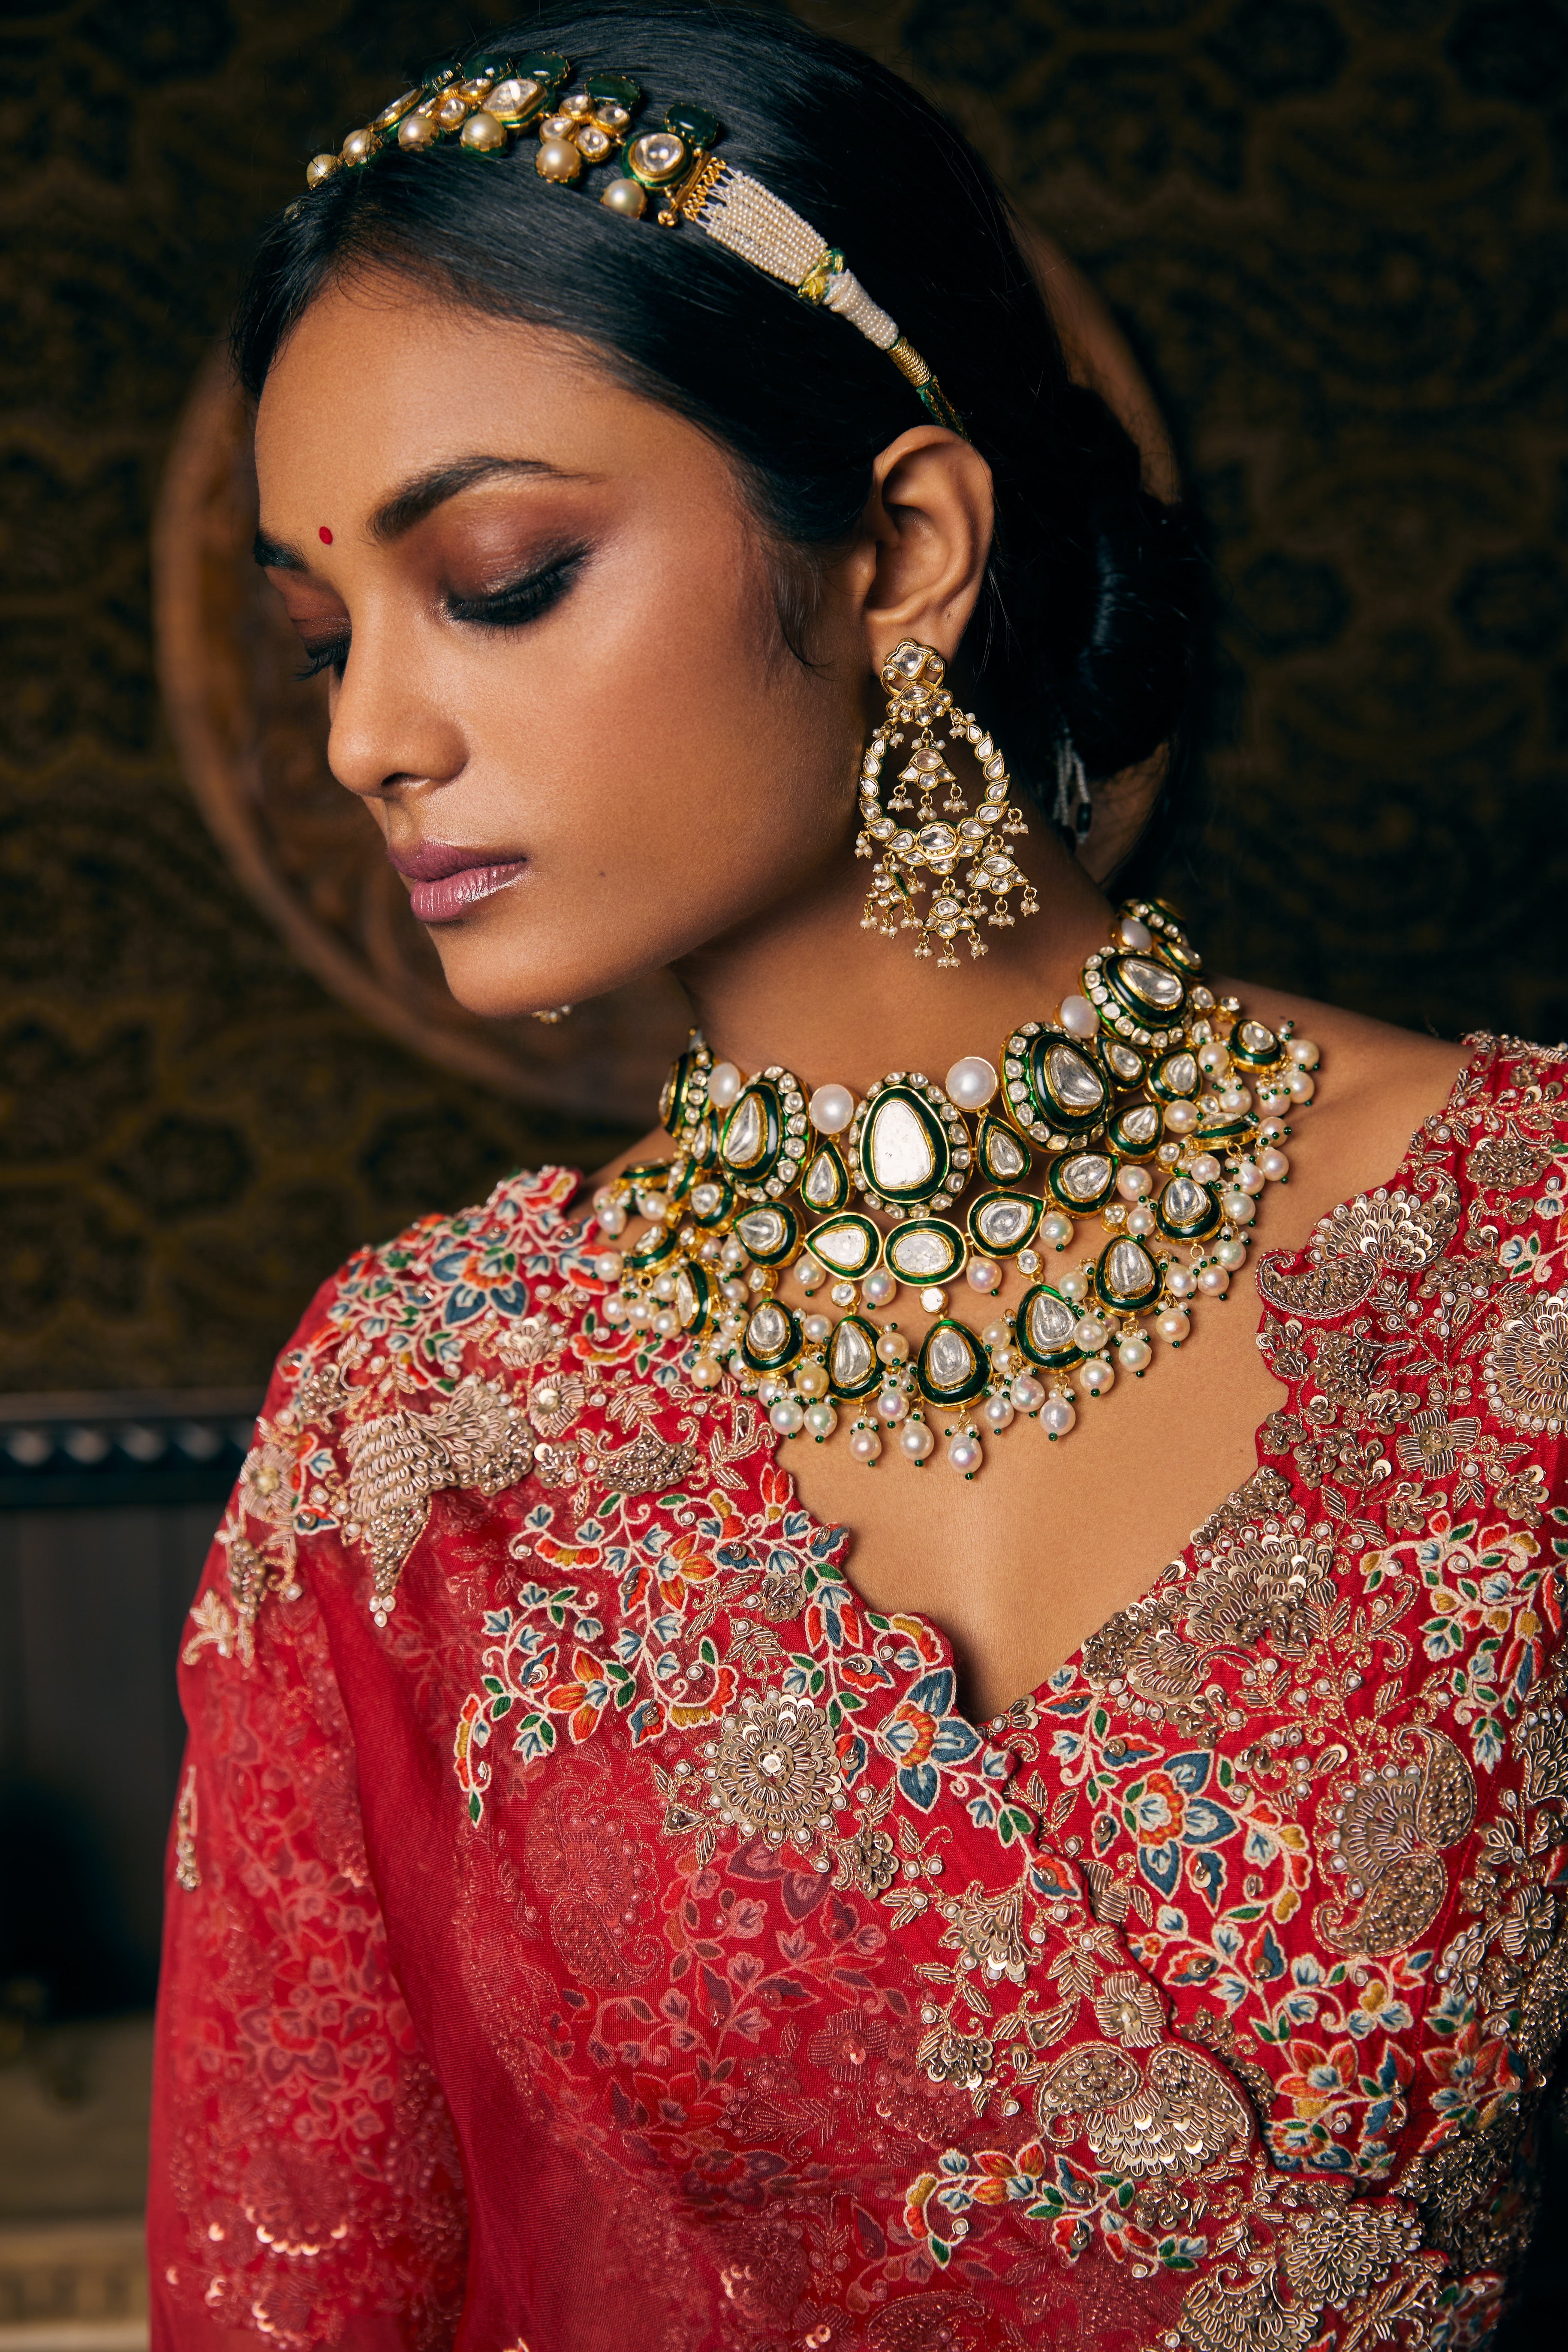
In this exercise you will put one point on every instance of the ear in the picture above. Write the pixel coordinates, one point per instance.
(925, 538)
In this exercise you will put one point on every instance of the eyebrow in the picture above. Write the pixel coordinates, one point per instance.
(418, 498)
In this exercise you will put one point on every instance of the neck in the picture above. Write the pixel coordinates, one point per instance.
(804, 986)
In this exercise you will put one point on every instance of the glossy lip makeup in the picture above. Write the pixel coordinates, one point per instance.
(447, 880)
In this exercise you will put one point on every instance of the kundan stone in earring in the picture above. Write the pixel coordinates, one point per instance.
(972, 874)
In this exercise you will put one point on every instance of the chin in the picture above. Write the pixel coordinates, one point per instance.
(494, 986)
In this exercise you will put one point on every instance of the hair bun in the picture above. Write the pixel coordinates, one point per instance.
(1128, 682)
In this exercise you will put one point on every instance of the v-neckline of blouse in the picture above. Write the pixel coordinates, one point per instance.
(993, 1728)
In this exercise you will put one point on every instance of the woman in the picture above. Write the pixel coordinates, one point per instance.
(640, 1880)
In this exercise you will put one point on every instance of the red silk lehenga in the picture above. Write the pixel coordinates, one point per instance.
(629, 1944)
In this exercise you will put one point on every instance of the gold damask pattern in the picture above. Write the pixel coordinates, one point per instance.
(1333, 231)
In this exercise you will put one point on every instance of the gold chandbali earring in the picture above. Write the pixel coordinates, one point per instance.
(919, 703)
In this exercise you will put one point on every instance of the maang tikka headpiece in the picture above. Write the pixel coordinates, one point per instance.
(484, 103)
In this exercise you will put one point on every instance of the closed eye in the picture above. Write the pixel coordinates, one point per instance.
(518, 602)
(328, 652)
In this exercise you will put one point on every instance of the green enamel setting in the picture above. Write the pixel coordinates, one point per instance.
(848, 1246)
(927, 1249)
(772, 1339)
(1044, 1328)
(1004, 1223)
(951, 1367)
(770, 1234)
(854, 1369)
(1186, 1210)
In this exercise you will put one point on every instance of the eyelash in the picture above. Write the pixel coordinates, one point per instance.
(514, 606)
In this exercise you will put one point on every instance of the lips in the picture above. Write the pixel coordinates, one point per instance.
(447, 879)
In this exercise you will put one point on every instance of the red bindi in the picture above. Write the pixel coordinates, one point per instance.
(325, 535)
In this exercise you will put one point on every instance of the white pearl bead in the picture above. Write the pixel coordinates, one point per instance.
(1027, 1393)
(1057, 1415)
(811, 1381)
(998, 1412)
(769, 1387)
(809, 1274)
(707, 1372)
(821, 1420)
(1074, 1284)
(1181, 1118)
(1236, 1098)
(1304, 1087)
(971, 1082)
(724, 1083)
(1134, 1182)
(996, 1334)
(893, 1406)
(639, 1314)
(1133, 934)
(613, 1310)
(1133, 1354)
(786, 1416)
(815, 1328)
(665, 1324)
(878, 1286)
(1096, 1377)
(916, 1440)
(1055, 1230)
(1003, 1359)
(1231, 1254)
(831, 1108)
(1088, 1334)
(1211, 1057)
(892, 1348)
(1180, 1283)
(1174, 1326)
(864, 1445)
(1249, 1178)
(965, 1454)
(664, 1287)
(1214, 1280)
(607, 1265)
(1204, 1167)
(984, 1273)
(613, 1220)
(1141, 1221)
(1079, 1018)
(1304, 1053)
(1239, 1207)
(1275, 1165)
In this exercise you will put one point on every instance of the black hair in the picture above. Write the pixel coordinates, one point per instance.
(1086, 628)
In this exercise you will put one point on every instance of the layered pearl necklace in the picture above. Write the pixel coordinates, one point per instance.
(1145, 1103)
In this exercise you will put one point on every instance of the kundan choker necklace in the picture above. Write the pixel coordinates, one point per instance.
(1145, 1103)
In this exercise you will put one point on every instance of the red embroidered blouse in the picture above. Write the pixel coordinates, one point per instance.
(629, 1944)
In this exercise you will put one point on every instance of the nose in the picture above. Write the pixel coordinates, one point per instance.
(390, 731)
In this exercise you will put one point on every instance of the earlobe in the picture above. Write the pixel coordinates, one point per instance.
(930, 521)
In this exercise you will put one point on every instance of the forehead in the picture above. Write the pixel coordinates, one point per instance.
(382, 378)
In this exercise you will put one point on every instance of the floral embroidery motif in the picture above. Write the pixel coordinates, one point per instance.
(775, 1769)
(1527, 1369)
(1389, 1833)
(1203, 2002)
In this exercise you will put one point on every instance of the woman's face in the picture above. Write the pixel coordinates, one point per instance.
(557, 677)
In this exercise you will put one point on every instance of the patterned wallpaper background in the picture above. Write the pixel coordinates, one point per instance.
(1334, 229)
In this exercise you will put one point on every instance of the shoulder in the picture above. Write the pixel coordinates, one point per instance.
(448, 1285)
(1382, 1091)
